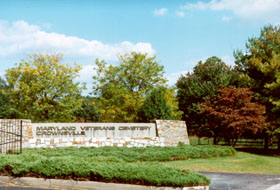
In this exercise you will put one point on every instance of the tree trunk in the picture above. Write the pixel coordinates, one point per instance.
(234, 142)
(215, 140)
(266, 141)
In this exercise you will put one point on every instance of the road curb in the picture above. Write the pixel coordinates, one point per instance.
(32, 182)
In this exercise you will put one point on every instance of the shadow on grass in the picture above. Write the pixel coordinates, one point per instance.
(260, 151)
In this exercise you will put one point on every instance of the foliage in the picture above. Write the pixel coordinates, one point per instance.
(157, 107)
(42, 88)
(112, 164)
(261, 64)
(89, 169)
(6, 108)
(88, 112)
(231, 113)
(135, 154)
(172, 101)
(205, 80)
(121, 89)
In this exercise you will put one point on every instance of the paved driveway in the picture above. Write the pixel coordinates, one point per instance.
(226, 181)
(220, 181)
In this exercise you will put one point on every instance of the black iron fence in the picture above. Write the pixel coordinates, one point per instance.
(241, 143)
(10, 136)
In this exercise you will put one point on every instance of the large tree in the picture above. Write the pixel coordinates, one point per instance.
(193, 87)
(160, 103)
(261, 65)
(88, 112)
(121, 89)
(43, 88)
(232, 113)
(6, 107)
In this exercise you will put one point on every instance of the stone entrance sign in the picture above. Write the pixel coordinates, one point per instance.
(160, 133)
(94, 130)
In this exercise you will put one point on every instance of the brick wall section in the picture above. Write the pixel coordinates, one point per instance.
(172, 132)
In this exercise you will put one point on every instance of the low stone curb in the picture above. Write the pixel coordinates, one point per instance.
(82, 185)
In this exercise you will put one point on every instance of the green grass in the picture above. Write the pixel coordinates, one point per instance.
(112, 164)
(202, 141)
(240, 163)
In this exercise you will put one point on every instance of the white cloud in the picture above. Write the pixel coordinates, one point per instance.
(180, 13)
(199, 5)
(21, 37)
(189, 64)
(160, 12)
(173, 77)
(86, 73)
(226, 18)
(229, 60)
(250, 9)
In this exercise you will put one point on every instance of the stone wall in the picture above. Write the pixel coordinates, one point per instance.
(167, 133)
(94, 130)
(172, 131)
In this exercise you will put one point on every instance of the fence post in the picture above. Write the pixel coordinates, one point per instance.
(21, 136)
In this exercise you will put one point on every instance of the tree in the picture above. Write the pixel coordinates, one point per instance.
(121, 89)
(205, 80)
(88, 112)
(157, 106)
(261, 64)
(3, 100)
(232, 113)
(43, 90)
(6, 108)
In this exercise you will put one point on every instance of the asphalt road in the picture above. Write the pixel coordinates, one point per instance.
(225, 181)
(220, 181)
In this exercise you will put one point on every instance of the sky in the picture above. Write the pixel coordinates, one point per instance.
(179, 32)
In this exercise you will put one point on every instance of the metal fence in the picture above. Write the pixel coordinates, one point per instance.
(241, 143)
(10, 136)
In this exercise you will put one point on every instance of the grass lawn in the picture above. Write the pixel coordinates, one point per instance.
(240, 163)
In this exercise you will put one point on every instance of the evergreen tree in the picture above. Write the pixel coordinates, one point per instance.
(261, 66)
(155, 106)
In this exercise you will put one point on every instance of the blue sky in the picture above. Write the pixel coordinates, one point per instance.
(179, 33)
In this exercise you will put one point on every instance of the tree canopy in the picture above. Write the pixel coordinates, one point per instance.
(231, 113)
(261, 65)
(88, 112)
(193, 87)
(6, 107)
(42, 88)
(121, 89)
(160, 103)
